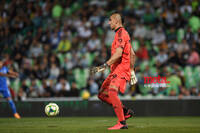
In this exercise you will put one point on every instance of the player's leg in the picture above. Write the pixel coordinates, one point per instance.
(103, 96)
(128, 113)
(7, 95)
(117, 106)
(116, 103)
(103, 93)
(12, 105)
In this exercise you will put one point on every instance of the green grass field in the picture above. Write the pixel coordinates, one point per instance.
(100, 125)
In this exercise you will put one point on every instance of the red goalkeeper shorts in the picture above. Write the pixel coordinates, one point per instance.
(113, 81)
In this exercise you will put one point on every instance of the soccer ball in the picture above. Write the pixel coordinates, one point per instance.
(51, 109)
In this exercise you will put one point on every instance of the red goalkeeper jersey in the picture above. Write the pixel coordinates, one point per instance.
(122, 66)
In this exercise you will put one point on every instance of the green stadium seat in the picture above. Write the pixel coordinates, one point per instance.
(148, 45)
(61, 58)
(39, 83)
(153, 70)
(190, 78)
(152, 62)
(68, 55)
(28, 82)
(196, 74)
(81, 76)
(180, 35)
(143, 65)
(144, 90)
(90, 57)
(100, 31)
(135, 45)
(15, 85)
(174, 84)
(188, 71)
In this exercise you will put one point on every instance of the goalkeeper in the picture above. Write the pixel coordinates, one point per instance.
(121, 64)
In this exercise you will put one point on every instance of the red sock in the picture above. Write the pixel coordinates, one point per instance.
(104, 98)
(117, 105)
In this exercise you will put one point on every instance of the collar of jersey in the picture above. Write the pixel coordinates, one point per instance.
(117, 29)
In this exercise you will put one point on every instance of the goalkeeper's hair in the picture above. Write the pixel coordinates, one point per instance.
(120, 14)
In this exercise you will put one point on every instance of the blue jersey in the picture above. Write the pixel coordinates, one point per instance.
(3, 83)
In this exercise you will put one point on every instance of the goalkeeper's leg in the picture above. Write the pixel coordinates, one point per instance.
(103, 93)
(128, 113)
(103, 96)
(118, 108)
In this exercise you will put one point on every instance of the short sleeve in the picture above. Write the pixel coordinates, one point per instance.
(120, 41)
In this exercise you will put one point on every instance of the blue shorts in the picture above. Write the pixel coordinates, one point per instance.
(6, 93)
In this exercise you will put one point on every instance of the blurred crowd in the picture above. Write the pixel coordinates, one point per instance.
(53, 43)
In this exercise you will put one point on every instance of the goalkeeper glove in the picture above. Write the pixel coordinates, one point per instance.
(98, 68)
(133, 78)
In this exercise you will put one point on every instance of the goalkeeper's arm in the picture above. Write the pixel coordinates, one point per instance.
(117, 55)
(132, 63)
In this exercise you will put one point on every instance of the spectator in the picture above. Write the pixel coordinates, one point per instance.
(22, 94)
(84, 62)
(142, 52)
(64, 45)
(48, 90)
(175, 83)
(62, 88)
(54, 71)
(193, 58)
(183, 92)
(35, 90)
(74, 92)
(55, 39)
(194, 91)
(158, 37)
(36, 49)
(93, 87)
(30, 37)
(161, 58)
(93, 44)
(68, 64)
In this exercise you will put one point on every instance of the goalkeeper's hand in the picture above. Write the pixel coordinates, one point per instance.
(133, 78)
(101, 68)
